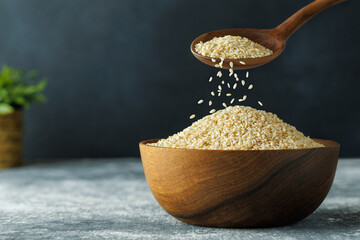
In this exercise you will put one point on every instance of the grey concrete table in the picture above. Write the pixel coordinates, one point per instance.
(110, 199)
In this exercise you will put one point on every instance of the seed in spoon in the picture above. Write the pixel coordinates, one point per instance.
(241, 62)
(213, 60)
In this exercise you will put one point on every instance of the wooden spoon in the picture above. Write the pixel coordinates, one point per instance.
(274, 39)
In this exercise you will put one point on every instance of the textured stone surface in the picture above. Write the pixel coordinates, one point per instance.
(110, 199)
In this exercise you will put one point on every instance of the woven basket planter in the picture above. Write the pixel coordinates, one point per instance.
(11, 131)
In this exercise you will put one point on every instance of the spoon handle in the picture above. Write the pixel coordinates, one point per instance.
(287, 28)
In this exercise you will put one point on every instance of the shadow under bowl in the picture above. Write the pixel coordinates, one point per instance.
(236, 188)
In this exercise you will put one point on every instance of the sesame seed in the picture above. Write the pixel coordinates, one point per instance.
(235, 85)
(219, 87)
(217, 65)
(228, 94)
(200, 101)
(244, 97)
(247, 74)
(192, 116)
(210, 79)
(228, 84)
(231, 64)
(240, 100)
(235, 75)
(219, 94)
(250, 86)
(260, 103)
(212, 111)
(210, 103)
(231, 72)
(212, 93)
(243, 82)
(222, 82)
(241, 62)
(219, 74)
(224, 104)
(213, 60)
(232, 101)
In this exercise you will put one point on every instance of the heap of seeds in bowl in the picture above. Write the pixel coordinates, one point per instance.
(231, 47)
(239, 128)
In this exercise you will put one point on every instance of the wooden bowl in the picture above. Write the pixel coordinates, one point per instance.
(230, 188)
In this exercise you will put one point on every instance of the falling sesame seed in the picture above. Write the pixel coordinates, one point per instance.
(247, 74)
(235, 85)
(240, 100)
(192, 116)
(212, 111)
(244, 97)
(219, 74)
(219, 94)
(228, 94)
(224, 104)
(260, 103)
(200, 101)
(231, 72)
(235, 75)
(232, 101)
(219, 87)
(241, 62)
(210, 103)
(210, 79)
(243, 82)
(250, 86)
(213, 60)
(222, 82)
(231, 64)
(212, 93)
(228, 84)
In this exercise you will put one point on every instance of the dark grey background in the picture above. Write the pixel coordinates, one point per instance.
(121, 71)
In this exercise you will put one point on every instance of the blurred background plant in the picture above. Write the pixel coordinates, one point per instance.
(19, 89)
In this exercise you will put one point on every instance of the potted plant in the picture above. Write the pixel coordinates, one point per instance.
(18, 90)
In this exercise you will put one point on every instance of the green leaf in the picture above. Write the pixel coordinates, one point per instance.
(6, 108)
(20, 89)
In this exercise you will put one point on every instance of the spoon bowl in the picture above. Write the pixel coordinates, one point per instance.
(267, 38)
(273, 39)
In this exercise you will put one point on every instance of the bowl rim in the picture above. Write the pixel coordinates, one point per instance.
(328, 145)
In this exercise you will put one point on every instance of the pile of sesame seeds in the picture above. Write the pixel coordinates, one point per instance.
(239, 128)
(232, 47)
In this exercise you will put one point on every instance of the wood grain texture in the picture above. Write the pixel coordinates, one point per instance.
(11, 132)
(240, 188)
(274, 39)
